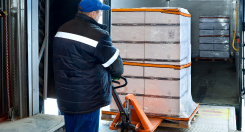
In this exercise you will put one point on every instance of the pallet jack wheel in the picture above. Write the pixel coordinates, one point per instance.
(125, 130)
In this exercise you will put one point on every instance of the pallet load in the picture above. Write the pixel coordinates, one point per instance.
(155, 47)
(214, 35)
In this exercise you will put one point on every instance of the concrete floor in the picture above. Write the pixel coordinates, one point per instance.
(214, 83)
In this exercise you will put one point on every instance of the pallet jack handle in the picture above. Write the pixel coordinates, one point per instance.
(138, 116)
(116, 97)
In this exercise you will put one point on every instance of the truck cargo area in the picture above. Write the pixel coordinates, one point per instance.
(214, 83)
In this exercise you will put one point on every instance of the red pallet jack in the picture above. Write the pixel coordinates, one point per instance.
(131, 117)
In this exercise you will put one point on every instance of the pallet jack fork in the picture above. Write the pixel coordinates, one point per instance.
(131, 116)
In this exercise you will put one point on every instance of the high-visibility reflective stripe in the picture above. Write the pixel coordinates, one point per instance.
(77, 38)
(113, 58)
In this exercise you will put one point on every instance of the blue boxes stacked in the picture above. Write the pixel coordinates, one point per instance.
(214, 36)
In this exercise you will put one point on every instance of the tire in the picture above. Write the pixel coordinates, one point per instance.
(119, 130)
(130, 130)
(125, 130)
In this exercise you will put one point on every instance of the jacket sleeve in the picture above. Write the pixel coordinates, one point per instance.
(109, 56)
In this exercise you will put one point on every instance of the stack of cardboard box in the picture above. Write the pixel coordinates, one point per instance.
(160, 37)
(214, 36)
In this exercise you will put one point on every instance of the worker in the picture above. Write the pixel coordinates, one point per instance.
(84, 60)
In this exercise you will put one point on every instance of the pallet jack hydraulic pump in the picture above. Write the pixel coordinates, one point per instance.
(131, 117)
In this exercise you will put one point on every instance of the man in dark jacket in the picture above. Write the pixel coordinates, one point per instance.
(84, 60)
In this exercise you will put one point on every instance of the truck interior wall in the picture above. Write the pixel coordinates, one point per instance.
(3, 100)
(18, 63)
(1, 51)
(1, 43)
(61, 11)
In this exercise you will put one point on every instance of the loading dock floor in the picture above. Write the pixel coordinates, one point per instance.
(210, 119)
(214, 83)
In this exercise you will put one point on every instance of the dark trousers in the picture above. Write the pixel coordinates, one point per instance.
(82, 123)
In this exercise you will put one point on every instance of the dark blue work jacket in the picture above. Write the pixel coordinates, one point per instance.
(84, 60)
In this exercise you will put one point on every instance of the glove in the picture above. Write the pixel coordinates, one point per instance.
(115, 78)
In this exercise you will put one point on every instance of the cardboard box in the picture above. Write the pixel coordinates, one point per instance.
(167, 88)
(206, 26)
(221, 47)
(163, 18)
(206, 40)
(221, 26)
(131, 50)
(127, 17)
(214, 19)
(181, 107)
(221, 54)
(127, 33)
(135, 86)
(207, 54)
(114, 107)
(221, 40)
(206, 32)
(214, 26)
(171, 52)
(221, 32)
(206, 47)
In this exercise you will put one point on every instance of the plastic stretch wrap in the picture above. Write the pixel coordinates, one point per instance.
(180, 9)
(127, 17)
(221, 47)
(213, 26)
(206, 32)
(206, 40)
(176, 98)
(208, 54)
(127, 33)
(168, 42)
(221, 26)
(182, 107)
(213, 19)
(214, 54)
(158, 17)
(179, 54)
(155, 38)
(221, 54)
(223, 40)
(113, 105)
(206, 46)
(213, 32)
(214, 40)
(131, 50)
(164, 34)
(221, 32)
(203, 26)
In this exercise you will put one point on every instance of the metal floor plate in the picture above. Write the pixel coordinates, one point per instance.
(36, 123)
(209, 119)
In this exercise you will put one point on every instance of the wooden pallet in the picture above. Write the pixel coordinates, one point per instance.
(167, 122)
(213, 59)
